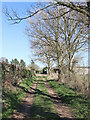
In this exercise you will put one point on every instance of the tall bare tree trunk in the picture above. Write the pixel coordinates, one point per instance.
(59, 69)
(48, 63)
(88, 4)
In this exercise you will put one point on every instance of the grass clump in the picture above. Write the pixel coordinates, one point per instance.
(69, 96)
(27, 83)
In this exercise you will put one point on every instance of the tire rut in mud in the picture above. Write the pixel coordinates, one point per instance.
(61, 108)
(24, 110)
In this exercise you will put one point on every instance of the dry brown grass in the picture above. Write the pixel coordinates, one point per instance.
(74, 80)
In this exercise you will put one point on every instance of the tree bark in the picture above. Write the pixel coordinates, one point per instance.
(88, 4)
(59, 69)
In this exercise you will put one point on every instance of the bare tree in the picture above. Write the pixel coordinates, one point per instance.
(43, 55)
(40, 46)
(83, 9)
(75, 37)
(62, 37)
(46, 36)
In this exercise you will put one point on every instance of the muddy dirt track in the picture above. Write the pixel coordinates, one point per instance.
(24, 111)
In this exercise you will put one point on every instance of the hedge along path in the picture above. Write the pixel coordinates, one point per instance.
(24, 110)
(61, 108)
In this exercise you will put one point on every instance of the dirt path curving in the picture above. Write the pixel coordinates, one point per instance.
(24, 110)
(62, 109)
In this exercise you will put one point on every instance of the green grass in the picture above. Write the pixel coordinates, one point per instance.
(12, 100)
(43, 106)
(27, 83)
(77, 102)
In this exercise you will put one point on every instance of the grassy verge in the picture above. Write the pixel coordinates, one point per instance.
(77, 102)
(26, 83)
(43, 107)
(11, 100)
